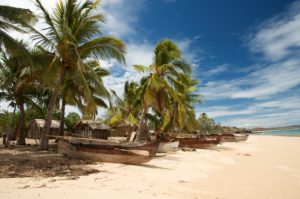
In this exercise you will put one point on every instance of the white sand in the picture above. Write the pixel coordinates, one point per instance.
(263, 167)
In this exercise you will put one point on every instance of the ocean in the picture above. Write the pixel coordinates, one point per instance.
(282, 132)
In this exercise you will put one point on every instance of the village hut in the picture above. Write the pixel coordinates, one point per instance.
(121, 129)
(91, 128)
(36, 128)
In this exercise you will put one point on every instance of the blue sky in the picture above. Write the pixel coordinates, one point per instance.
(245, 53)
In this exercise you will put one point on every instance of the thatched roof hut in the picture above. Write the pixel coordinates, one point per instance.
(91, 128)
(121, 129)
(36, 127)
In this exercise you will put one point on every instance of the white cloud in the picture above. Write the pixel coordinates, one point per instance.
(216, 70)
(266, 120)
(263, 83)
(121, 16)
(258, 114)
(279, 37)
(221, 111)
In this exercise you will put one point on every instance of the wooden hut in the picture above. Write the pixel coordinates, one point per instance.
(121, 129)
(91, 128)
(36, 127)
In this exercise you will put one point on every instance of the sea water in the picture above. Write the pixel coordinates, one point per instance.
(282, 132)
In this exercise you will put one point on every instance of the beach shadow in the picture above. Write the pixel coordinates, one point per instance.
(152, 167)
(222, 148)
(166, 157)
(28, 161)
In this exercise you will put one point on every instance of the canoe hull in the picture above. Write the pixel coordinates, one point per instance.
(240, 137)
(106, 151)
(167, 147)
(197, 142)
(232, 137)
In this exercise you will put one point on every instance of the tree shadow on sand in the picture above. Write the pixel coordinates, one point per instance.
(28, 161)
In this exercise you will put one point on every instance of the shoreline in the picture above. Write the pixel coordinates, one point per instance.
(262, 167)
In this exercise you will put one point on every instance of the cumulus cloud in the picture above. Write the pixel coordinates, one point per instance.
(121, 16)
(279, 37)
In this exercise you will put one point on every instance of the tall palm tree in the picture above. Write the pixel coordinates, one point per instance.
(157, 86)
(73, 35)
(14, 19)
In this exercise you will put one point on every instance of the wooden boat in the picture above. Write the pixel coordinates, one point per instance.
(227, 137)
(107, 151)
(198, 142)
(167, 146)
(240, 137)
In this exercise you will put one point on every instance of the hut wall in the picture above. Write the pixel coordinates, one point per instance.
(101, 134)
(121, 131)
(34, 131)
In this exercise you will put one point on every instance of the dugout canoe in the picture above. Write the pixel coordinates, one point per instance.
(107, 151)
(198, 142)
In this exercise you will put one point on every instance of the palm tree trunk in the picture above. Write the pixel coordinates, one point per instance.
(21, 126)
(141, 132)
(13, 134)
(62, 117)
(174, 118)
(50, 109)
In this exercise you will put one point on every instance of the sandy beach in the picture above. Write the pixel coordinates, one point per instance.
(261, 167)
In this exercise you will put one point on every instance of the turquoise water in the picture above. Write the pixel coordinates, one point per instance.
(282, 132)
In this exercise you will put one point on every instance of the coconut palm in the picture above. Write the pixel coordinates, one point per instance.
(157, 86)
(73, 36)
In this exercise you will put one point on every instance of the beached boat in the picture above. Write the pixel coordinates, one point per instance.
(227, 137)
(167, 146)
(107, 151)
(198, 142)
(240, 137)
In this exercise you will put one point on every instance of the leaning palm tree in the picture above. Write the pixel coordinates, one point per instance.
(73, 35)
(14, 19)
(157, 86)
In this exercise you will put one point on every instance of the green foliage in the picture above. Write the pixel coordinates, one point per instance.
(8, 120)
(14, 19)
(71, 119)
(126, 108)
(169, 89)
(206, 124)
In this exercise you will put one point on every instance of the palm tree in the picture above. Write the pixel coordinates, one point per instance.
(19, 84)
(73, 35)
(157, 86)
(182, 109)
(73, 93)
(14, 19)
(126, 108)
